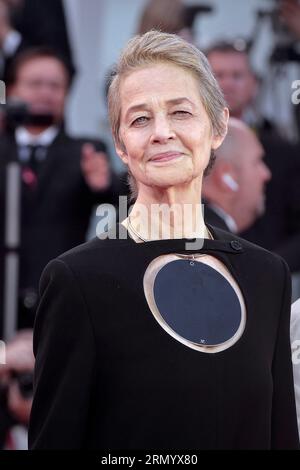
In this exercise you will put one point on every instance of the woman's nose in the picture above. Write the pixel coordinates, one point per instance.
(162, 130)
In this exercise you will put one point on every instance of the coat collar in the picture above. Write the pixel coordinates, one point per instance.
(223, 242)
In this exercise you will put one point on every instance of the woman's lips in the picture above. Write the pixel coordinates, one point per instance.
(165, 157)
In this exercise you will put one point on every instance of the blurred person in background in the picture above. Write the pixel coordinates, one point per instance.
(166, 15)
(290, 14)
(172, 16)
(232, 68)
(29, 23)
(279, 228)
(62, 177)
(16, 388)
(10, 38)
(234, 190)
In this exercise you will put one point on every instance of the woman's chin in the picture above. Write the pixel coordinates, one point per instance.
(168, 181)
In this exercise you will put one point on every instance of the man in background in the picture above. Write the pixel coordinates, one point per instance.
(234, 191)
(61, 177)
(31, 23)
(16, 389)
(279, 228)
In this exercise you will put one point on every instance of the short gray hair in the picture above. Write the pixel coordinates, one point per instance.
(156, 47)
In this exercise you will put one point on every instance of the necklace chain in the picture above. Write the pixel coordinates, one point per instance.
(136, 233)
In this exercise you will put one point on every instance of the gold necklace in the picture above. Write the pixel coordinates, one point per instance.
(136, 233)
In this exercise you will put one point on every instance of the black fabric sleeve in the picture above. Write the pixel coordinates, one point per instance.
(284, 418)
(64, 347)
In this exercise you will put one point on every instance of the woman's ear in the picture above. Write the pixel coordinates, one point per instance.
(218, 139)
(121, 151)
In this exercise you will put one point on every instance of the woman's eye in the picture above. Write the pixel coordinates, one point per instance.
(181, 113)
(140, 121)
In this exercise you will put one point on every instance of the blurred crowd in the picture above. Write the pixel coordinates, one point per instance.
(50, 181)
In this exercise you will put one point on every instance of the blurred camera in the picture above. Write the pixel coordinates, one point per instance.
(17, 113)
(284, 49)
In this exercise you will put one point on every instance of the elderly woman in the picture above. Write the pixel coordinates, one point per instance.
(172, 334)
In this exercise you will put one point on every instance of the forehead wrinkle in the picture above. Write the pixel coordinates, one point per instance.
(145, 106)
(154, 86)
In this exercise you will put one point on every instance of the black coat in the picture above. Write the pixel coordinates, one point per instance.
(109, 377)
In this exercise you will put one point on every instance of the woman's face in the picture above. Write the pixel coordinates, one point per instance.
(166, 133)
